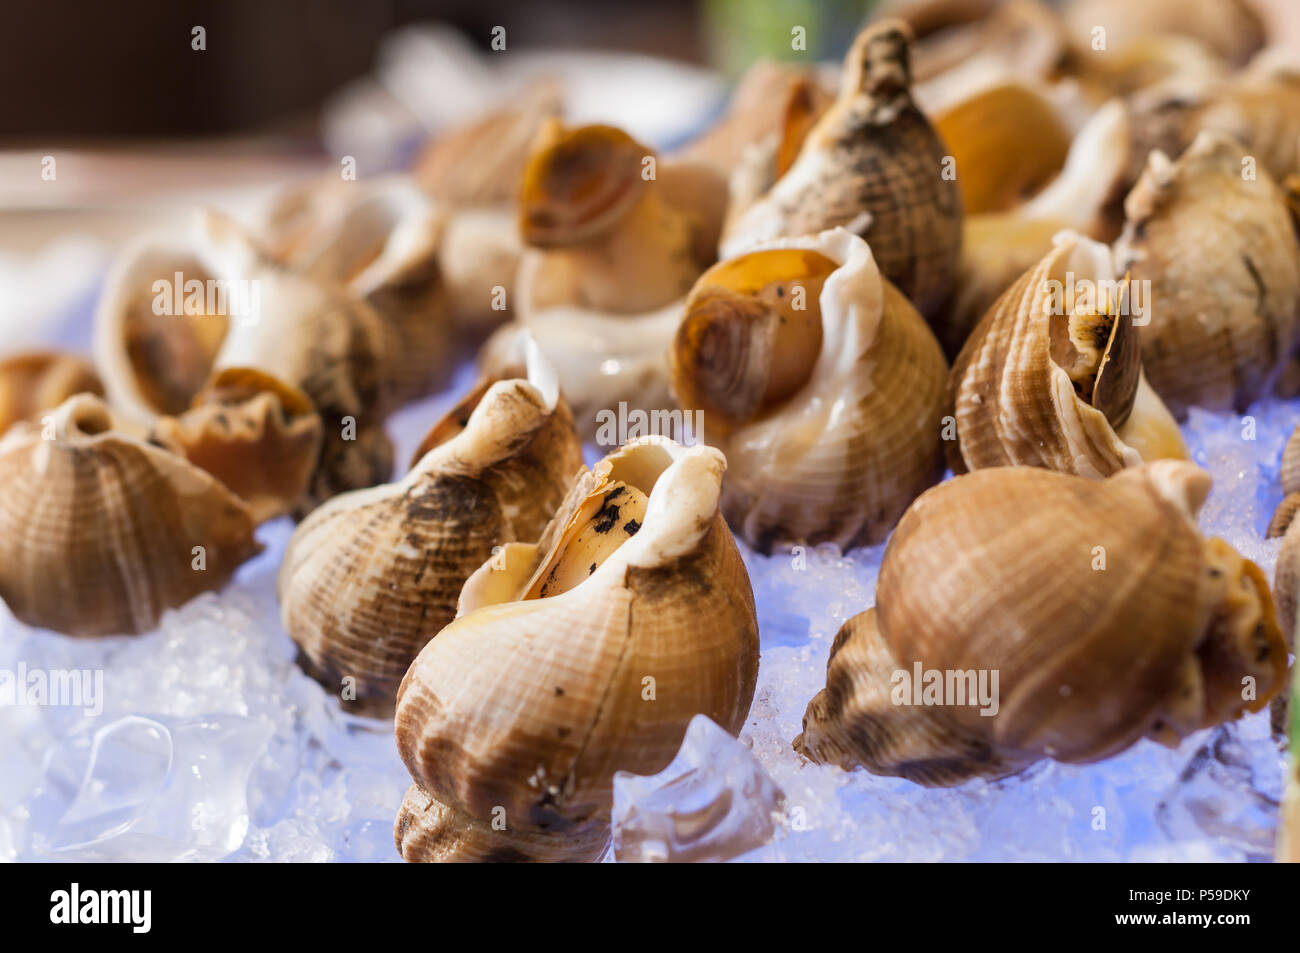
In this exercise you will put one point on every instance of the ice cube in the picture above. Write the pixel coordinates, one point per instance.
(712, 803)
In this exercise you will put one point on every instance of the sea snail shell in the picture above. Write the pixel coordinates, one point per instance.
(526, 705)
(381, 239)
(372, 575)
(829, 416)
(1286, 574)
(1052, 375)
(311, 366)
(36, 381)
(873, 165)
(101, 532)
(997, 572)
(611, 251)
(1221, 255)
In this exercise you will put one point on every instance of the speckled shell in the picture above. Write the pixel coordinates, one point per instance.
(320, 338)
(372, 575)
(1221, 255)
(842, 457)
(98, 529)
(1258, 107)
(873, 165)
(526, 709)
(36, 381)
(1013, 397)
(1002, 571)
(381, 239)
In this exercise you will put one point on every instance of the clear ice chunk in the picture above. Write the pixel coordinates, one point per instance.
(712, 803)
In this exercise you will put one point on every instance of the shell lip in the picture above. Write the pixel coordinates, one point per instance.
(143, 258)
(578, 184)
(683, 485)
(506, 415)
(852, 304)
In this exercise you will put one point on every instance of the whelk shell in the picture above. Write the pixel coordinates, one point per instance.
(381, 239)
(872, 164)
(36, 381)
(1220, 252)
(101, 532)
(1043, 579)
(321, 339)
(612, 252)
(589, 653)
(369, 577)
(998, 247)
(829, 416)
(1052, 375)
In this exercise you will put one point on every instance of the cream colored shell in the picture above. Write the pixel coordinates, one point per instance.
(525, 708)
(101, 532)
(841, 458)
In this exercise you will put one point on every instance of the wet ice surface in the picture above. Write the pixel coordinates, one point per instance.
(211, 744)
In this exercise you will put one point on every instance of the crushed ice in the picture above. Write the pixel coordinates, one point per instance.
(212, 744)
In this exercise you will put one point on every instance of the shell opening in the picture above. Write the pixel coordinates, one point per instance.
(609, 516)
(170, 354)
(1243, 648)
(752, 333)
(88, 418)
(578, 184)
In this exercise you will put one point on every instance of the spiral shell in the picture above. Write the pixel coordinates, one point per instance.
(101, 532)
(381, 239)
(524, 707)
(1221, 255)
(829, 417)
(611, 254)
(873, 165)
(321, 339)
(1051, 376)
(1041, 580)
(372, 575)
(37, 381)
(998, 247)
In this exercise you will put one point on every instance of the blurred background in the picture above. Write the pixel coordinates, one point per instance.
(120, 116)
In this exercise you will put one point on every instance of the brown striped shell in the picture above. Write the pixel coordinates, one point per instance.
(100, 532)
(829, 417)
(1052, 375)
(873, 165)
(1042, 579)
(372, 575)
(1220, 252)
(998, 247)
(557, 674)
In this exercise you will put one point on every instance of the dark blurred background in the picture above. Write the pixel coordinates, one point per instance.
(123, 68)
